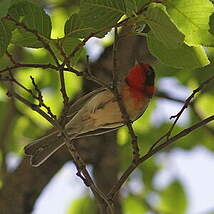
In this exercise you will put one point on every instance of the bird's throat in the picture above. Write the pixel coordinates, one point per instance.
(136, 94)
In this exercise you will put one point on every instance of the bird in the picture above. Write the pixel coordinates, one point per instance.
(98, 112)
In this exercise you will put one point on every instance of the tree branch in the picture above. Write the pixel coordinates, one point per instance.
(158, 148)
(62, 82)
(43, 66)
(187, 102)
(80, 165)
(121, 105)
(192, 105)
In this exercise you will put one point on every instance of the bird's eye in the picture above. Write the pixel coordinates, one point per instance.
(150, 76)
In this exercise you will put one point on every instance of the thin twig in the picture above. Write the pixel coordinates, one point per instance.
(83, 173)
(121, 105)
(158, 148)
(161, 94)
(34, 108)
(41, 100)
(63, 91)
(187, 102)
(43, 66)
(192, 104)
(63, 54)
(62, 81)
(12, 79)
(39, 97)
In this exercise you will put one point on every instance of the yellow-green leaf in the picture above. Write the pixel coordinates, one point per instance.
(162, 26)
(192, 18)
(181, 57)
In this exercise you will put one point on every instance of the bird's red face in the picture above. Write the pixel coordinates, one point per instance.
(141, 77)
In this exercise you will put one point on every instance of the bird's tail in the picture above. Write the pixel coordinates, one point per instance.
(41, 149)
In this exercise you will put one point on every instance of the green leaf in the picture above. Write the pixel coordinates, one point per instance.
(4, 6)
(192, 18)
(35, 18)
(82, 206)
(101, 13)
(22, 38)
(173, 199)
(5, 36)
(181, 57)
(140, 3)
(133, 205)
(74, 27)
(162, 27)
(94, 15)
(132, 6)
(202, 74)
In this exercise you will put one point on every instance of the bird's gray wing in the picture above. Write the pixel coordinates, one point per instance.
(75, 107)
(99, 131)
